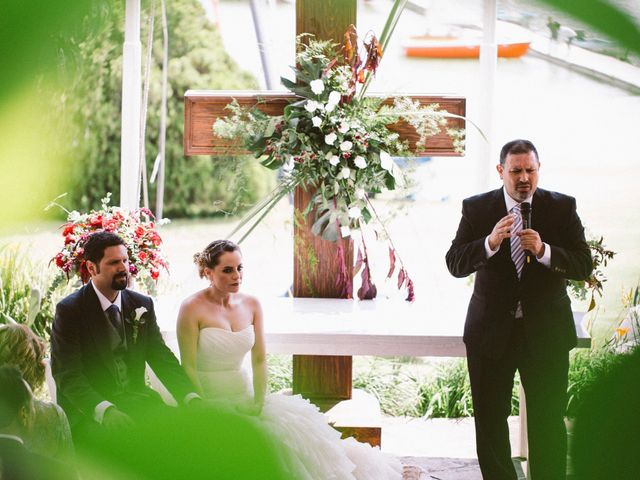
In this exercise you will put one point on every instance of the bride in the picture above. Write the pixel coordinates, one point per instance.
(216, 328)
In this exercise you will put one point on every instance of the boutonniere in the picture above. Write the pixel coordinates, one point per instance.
(136, 320)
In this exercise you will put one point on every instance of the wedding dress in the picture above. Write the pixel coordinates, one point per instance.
(315, 450)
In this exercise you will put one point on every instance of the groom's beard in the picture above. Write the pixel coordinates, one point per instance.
(120, 281)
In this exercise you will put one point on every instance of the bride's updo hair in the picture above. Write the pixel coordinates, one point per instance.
(210, 256)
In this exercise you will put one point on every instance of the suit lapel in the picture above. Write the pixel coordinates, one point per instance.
(538, 210)
(499, 209)
(127, 313)
(97, 323)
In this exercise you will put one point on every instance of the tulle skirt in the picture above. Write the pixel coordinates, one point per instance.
(313, 450)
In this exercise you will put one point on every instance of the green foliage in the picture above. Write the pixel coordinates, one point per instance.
(27, 291)
(280, 372)
(395, 386)
(595, 283)
(585, 369)
(444, 391)
(195, 186)
(448, 394)
(605, 16)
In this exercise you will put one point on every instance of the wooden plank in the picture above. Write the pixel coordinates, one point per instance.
(370, 435)
(326, 19)
(325, 380)
(203, 107)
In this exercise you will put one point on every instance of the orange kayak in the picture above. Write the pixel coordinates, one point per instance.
(454, 47)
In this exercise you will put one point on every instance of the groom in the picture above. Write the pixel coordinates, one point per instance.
(102, 336)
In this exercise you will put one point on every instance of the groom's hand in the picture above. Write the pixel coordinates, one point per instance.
(114, 419)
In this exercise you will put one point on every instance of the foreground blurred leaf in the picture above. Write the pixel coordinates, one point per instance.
(604, 16)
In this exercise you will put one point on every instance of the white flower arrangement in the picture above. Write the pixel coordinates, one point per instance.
(332, 120)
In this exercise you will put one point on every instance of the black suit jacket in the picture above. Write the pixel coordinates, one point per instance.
(548, 320)
(82, 361)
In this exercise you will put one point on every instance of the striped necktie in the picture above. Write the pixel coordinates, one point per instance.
(517, 253)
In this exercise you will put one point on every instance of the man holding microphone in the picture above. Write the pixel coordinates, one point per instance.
(523, 243)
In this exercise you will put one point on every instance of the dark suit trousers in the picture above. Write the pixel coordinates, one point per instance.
(544, 378)
(88, 434)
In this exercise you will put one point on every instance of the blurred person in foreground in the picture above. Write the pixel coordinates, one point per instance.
(102, 336)
(519, 316)
(195, 443)
(606, 433)
(17, 462)
(50, 434)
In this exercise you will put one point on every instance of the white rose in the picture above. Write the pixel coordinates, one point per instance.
(317, 121)
(355, 212)
(360, 162)
(360, 193)
(346, 146)
(334, 160)
(288, 166)
(330, 139)
(334, 98)
(344, 127)
(317, 86)
(345, 231)
(329, 107)
(344, 173)
(311, 106)
(386, 161)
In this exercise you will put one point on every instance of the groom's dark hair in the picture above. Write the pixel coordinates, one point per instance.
(96, 244)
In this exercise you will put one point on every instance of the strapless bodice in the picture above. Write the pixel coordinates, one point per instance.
(219, 362)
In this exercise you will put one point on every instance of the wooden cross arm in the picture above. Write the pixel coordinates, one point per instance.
(203, 107)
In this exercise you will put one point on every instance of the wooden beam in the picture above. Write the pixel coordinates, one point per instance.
(316, 266)
(203, 107)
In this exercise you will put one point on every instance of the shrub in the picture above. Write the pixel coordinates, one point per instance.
(280, 372)
(393, 383)
(28, 293)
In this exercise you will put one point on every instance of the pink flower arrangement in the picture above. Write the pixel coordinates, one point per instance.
(137, 228)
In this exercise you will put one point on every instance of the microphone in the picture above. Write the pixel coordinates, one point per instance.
(525, 211)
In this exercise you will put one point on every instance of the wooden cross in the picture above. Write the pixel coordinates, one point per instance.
(325, 380)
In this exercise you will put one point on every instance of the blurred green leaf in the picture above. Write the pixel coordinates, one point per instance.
(604, 16)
